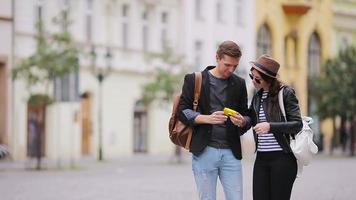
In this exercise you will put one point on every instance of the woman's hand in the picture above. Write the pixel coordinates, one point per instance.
(238, 120)
(262, 128)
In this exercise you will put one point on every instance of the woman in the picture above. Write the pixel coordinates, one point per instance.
(275, 166)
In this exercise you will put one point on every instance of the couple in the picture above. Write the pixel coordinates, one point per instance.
(216, 144)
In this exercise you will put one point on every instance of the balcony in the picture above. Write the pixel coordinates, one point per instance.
(296, 7)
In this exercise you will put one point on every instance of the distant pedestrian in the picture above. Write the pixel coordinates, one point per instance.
(275, 167)
(216, 145)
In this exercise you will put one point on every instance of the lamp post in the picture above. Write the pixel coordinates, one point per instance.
(100, 74)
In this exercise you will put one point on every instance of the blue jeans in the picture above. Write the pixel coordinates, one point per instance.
(214, 163)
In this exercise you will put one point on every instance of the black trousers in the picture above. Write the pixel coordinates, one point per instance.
(273, 175)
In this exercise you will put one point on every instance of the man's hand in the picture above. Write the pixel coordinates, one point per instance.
(217, 117)
(238, 120)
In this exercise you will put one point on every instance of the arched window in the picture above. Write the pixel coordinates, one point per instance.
(264, 45)
(314, 55)
(314, 61)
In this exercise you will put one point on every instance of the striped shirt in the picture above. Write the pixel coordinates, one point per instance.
(266, 142)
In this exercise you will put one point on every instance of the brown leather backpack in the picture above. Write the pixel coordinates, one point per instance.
(179, 133)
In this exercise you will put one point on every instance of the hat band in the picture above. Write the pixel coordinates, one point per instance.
(265, 69)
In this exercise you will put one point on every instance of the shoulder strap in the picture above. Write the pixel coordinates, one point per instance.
(281, 103)
(197, 88)
(281, 106)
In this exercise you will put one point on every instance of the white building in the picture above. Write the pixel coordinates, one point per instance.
(129, 29)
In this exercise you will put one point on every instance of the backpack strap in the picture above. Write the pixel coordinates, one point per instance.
(197, 89)
(281, 106)
(281, 103)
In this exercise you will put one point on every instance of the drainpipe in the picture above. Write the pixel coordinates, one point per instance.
(12, 102)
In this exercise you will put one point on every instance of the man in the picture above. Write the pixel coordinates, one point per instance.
(216, 145)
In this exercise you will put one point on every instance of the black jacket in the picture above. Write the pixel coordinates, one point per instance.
(236, 99)
(281, 130)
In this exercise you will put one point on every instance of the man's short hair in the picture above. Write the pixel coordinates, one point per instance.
(229, 48)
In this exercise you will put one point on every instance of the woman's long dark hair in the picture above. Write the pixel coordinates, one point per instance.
(273, 105)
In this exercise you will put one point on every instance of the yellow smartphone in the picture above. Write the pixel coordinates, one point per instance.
(229, 111)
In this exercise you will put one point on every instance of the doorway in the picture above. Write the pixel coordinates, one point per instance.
(86, 122)
(36, 140)
(3, 101)
(140, 128)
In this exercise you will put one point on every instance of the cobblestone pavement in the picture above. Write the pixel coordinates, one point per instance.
(145, 177)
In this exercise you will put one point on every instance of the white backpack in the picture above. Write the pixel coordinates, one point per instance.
(303, 146)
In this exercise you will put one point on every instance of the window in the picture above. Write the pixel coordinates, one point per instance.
(314, 61)
(164, 39)
(164, 18)
(140, 136)
(239, 11)
(89, 21)
(145, 31)
(198, 10)
(164, 34)
(314, 56)
(38, 12)
(125, 26)
(67, 87)
(219, 11)
(125, 10)
(264, 41)
(198, 47)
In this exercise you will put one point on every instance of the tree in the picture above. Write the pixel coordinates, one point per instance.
(162, 88)
(335, 89)
(56, 55)
(164, 85)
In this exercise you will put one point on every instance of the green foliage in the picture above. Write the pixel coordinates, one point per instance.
(165, 83)
(56, 55)
(162, 87)
(37, 100)
(335, 89)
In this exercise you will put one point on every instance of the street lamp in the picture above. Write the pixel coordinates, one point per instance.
(100, 74)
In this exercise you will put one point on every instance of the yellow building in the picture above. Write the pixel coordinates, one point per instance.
(298, 34)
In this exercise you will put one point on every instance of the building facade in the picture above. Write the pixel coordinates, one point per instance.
(86, 115)
(297, 33)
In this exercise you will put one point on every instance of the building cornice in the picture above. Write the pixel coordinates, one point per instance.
(343, 11)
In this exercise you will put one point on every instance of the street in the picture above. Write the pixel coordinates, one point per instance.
(156, 177)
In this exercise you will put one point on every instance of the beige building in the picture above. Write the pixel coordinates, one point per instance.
(6, 57)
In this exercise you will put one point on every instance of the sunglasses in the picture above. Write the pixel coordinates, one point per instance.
(256, 79)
